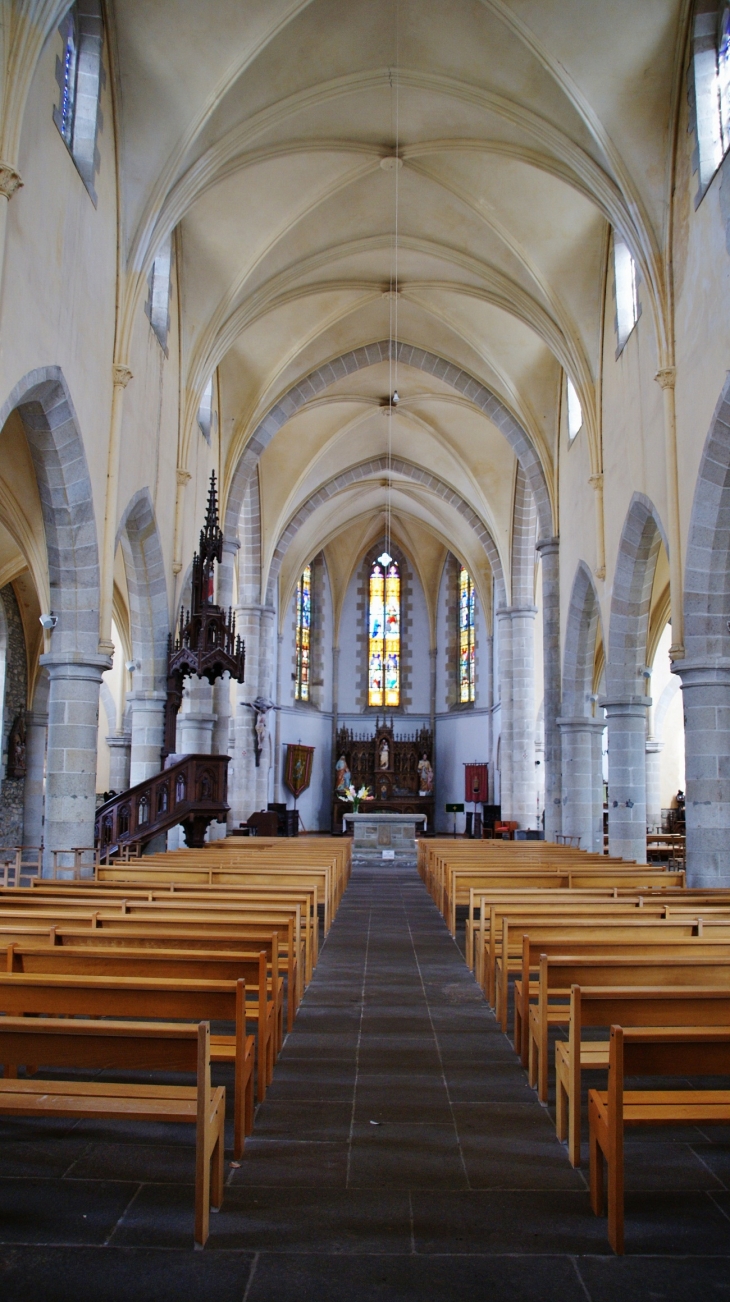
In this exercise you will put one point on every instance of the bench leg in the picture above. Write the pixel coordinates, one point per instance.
(518, 1026)
(596, 1168)
(616, 1198)
(561, 1104)
(531, 1060)
(542, 1069)
(218, 1161)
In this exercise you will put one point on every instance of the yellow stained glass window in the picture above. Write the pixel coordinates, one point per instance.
(466, 636)
(303, 629)
(384, 633)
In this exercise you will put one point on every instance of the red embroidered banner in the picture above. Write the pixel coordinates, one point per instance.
(298, 770)
(475, 782)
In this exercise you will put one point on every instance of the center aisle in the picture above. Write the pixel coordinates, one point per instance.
(400, 1152)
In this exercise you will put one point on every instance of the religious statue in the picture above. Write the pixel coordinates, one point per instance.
(261, 707)
(384, 756)
(344, 777)
(425, 776)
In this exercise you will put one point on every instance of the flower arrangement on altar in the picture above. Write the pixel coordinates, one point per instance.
(353, 797)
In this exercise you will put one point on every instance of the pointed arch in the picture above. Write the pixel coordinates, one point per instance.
(524, 537)
(144, 564)
(641, 538)
(583, 623)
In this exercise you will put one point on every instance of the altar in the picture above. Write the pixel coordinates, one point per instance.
(397, 771)
(385, 836)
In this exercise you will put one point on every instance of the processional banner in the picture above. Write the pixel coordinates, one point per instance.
(475, 783)
(298, 768)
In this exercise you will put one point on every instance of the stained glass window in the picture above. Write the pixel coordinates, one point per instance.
(304, 629)
(466, 636)
(384, 633)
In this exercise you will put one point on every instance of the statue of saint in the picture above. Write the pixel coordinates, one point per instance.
(425, 776)
(384, 754)
(342, 772)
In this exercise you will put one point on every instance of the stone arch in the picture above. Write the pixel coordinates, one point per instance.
(641, 538)
(584, 620)
(707, 571)
(144, 564)
(524, 536)
(52, 430)
(371, 355)
(366, 470)
(248, 524)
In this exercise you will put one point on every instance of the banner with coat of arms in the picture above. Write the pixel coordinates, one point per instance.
(475, 783)
(298, 768)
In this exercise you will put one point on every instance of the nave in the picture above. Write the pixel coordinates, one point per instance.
(399, 1154)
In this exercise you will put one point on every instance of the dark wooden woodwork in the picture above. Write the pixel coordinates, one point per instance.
(206, 642)
(395, 787)
(192, 792)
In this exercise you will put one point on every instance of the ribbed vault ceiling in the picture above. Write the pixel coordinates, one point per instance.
(525, 128)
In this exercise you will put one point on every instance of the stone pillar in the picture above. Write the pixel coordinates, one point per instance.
(279, 794)
(36, 729)
(597, 771)
(222, 712)
(242, 770)
(120, 748)
(582, 787)
(524, 806)
(627, 776)
(196, 719)
(549, 549)
(654, 750)
(706, 693)
(504, 635)
(73, 719)
(266, 680)
(147, 731)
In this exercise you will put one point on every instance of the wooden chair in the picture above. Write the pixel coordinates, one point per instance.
(680, 1051)
(124, 1046)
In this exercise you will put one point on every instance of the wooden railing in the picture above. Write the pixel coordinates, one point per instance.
(192, 792)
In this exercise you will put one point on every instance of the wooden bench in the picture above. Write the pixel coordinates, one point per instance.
(139, 998)
(125, 1046)
(635, 981)
(694, 1050)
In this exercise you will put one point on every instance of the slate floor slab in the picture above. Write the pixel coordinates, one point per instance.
(400, 1156)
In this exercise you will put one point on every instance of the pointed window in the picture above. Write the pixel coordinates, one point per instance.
(157, 306)
(384, 633)
(575, 412)
(205, 411)
(80, 77)
(710, 89)
(303, 635)
(627, 293)
(466, 636)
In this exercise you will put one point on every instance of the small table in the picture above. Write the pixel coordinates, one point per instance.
(385, 836)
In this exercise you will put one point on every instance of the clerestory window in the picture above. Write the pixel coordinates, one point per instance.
(157, 306)
(710, 88)
(627, 291)
(575, 411)
(205, 410)
(303, 635)
(80, 77)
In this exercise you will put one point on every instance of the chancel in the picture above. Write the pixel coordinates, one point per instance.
(364, 649)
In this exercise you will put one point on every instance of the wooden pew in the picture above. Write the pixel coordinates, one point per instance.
(71, 995)
(644, 981)
(142, 1046)
(700, 1049)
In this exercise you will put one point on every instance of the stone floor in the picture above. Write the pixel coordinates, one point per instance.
(400, 1157)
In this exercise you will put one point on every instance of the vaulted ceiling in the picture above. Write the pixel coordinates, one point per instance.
(267, 131)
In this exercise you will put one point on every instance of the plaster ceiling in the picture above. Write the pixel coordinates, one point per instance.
(525, 129)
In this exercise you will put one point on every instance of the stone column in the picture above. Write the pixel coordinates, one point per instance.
(549, 549)
(706, 693)
(597, 772)
(654, 750)
(266, 680)
(120, 747)
(504, 635)
(222, 712)
(524, 806)
(279, 794)
(627, 776)
(36, 729)
(242, 770)
(580, 778)
(147, 730)
(196, 719)
(73, 719)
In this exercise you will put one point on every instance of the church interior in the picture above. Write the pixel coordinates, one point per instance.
(364, 627)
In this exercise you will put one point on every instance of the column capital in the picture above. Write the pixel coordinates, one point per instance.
(580, 723)
(183, 476)
(119, 740)
(74, 664)
(10, 180)
(36, 719)
(654, 747)
(701, 672)
(231, 545)
(510, 611)
(548, 546)
(626, 706)
(121, 375)
(666, 377)
(596, 481)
